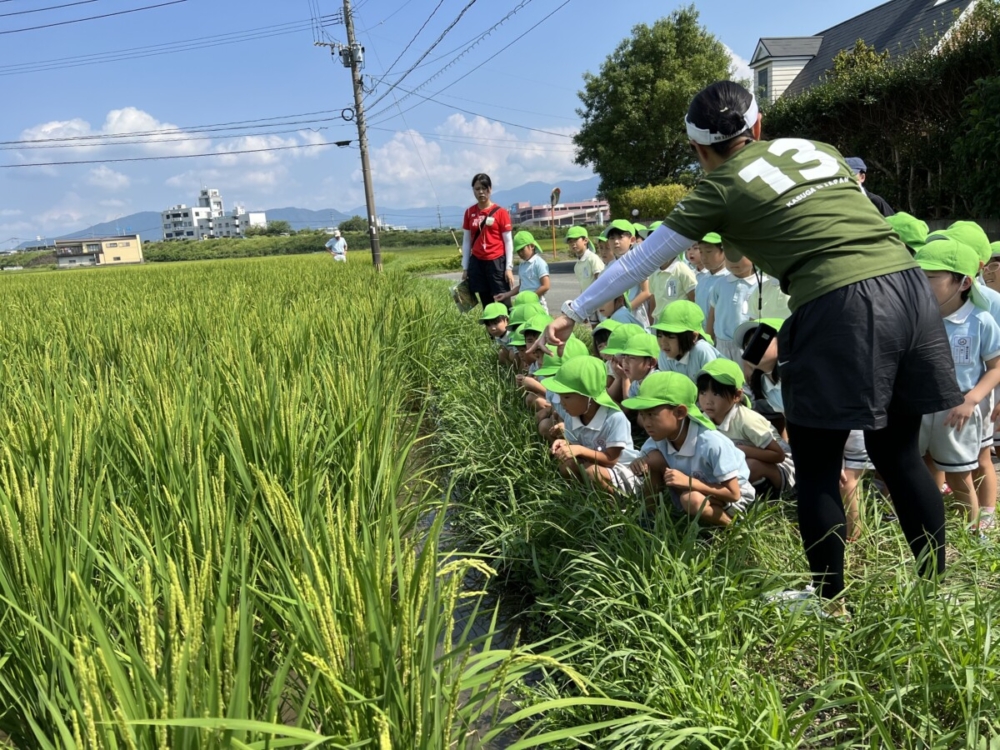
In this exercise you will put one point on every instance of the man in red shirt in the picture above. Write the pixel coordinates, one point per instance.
(487, 245)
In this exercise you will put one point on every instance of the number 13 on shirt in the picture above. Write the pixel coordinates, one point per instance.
(805, 152)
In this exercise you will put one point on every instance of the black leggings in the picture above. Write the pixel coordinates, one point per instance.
(818, 456)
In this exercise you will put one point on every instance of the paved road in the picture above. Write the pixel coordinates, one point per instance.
(564, 287)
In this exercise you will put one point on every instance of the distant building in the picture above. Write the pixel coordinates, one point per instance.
(208, 220)
(106, 251)
(791, 65)
(566, 214)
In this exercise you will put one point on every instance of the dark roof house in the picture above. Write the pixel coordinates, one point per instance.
(790, 65)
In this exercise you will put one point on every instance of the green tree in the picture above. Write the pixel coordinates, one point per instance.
(354, 224)
(633, 111)
(279, 227)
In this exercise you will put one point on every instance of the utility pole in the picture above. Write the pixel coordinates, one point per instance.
(352, 56)
(440, 225)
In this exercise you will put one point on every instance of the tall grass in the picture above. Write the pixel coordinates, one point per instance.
(209, 506)
(674, 616)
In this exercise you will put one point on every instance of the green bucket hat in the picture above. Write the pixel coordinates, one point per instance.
(575, 233)
(956, 257)
(641, 345)
(621, 225)
(712, 239)
(609, 325)
(995, 250)
(669, 389)
(523, 239)
(552, 362)
(969, 233)
(724, 371)
(742, 328)
(619, 338)
(911, 230)
(517, 339)
(587, 376)
(682, 315)
(521, 314)
(641, 230)
(603, 236)
(536, 324)
(493, 311)
(526, 298)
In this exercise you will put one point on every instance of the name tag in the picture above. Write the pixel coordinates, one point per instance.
(672, 288)
(961, 349)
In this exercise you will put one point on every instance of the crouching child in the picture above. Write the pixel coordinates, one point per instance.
(705, 473)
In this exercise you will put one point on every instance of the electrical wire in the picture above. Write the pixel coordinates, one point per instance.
(408, 44)
(51, 7)
(92, 18)
(154, 50)
(173, 156)
(157, 141)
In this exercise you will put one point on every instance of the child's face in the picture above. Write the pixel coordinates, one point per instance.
(578, 246)
(609, 307)
(605, 252)
(694, 257)
(497, 327)
(620, 243)
(638, 367)
(991, 274)
(669, 344)
(944, 286)
(662, 422)
(525, 252)
(741, 269)
(575, 404)
(600, 344)
(716, 407)
(712, 256)
(530, 337)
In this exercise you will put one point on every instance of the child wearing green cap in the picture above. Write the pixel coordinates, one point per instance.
(721, 399)
(713, 258)
(549, 414)
(953, 438)
(597, 443)
(682, 339)
(588, 266)
(618, 309)
(637, 361)
(672, 281)
(621, 237)
(494, 319)
(707, 476)
(533, 271)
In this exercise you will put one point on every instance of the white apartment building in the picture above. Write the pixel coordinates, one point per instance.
(208, 220)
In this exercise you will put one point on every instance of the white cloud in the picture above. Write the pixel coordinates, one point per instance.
(10, 212)
(461, 147)
(113, 203)
(740, 68)
(108, 179)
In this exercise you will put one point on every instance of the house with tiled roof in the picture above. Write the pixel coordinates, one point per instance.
(791, 65)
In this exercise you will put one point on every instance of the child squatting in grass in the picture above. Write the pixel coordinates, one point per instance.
(496, 321)
(706, 475)
(549, 413)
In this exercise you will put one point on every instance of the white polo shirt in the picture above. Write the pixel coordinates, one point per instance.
(608, 429)
(692, 362)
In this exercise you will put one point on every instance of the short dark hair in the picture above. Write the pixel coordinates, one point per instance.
(707, 383)
(685, 339)
(719, 108)
(494, 320)
(601, 336)
(483, 179)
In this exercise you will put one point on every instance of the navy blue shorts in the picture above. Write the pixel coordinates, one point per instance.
(849, 356)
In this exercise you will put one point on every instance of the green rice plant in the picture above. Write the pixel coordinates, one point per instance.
(674, 617)
(212, 486)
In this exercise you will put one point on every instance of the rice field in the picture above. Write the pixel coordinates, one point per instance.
(212, 480)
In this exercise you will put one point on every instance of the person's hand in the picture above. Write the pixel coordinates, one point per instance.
(562, 450)
(465, 274)
(617, 369)
(554, 335)
(519, 379)
(557, 431)
(958, 416)
(639, 467)
(502, 296)
(675, 478)
(509, 275)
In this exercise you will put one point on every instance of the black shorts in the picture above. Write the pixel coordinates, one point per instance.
(488, 278)
(845, 358)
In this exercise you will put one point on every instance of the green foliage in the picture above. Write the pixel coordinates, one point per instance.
(279, 226)
(653, 200)
(673, 616)
(911, 117)
(210, 515)
(633, 111)
(354, 224)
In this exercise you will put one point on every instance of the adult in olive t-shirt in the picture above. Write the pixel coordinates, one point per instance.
(864, 348)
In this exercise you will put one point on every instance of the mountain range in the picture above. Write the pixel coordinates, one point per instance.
(147, 223)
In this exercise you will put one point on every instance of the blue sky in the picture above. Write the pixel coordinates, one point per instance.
(425, 156)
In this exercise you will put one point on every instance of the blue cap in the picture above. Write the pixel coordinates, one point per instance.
(857, 164)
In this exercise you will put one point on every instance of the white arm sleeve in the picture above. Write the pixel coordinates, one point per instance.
(634, 267)
(466, 248)
(508, 249)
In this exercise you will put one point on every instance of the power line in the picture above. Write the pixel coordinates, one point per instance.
(476, 140)
(473, 70)
(51, 7)
(174, 156)
(365, 31)
(426, 52)
(153, 50)
(92, 18)
(408, 44)
(157, 141)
